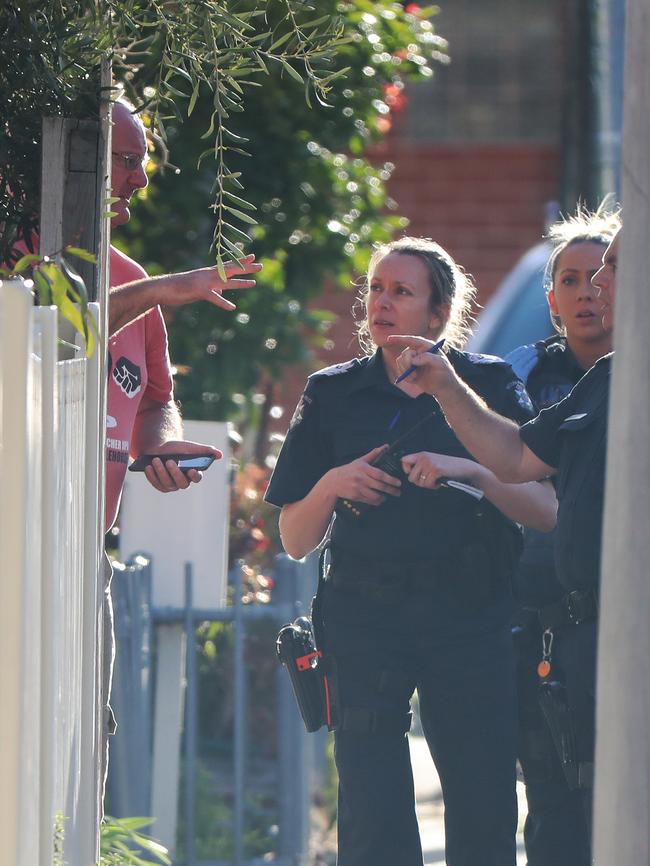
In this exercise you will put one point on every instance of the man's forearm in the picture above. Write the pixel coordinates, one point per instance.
(490, 438)
(156, 423)
(132, 300)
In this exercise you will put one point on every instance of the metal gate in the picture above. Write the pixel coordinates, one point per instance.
(300, 757)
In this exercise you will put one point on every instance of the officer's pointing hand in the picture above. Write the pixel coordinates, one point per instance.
(359, 481)
(433, 371)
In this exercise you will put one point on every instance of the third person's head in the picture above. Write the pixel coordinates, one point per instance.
(576, 310)
(605, 281)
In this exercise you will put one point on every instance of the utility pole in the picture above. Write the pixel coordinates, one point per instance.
(609, 51)
(622, 796)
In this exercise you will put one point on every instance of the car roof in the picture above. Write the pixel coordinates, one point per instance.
(517, 313)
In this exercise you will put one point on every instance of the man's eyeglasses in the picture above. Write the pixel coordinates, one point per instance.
(131, 161)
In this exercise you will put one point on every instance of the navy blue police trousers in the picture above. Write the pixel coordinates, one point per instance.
(461, 662)
(556, 832)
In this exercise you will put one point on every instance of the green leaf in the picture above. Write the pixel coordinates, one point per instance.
(193, 98)
(43, 288)
(232, 248)
(202, 156)
(23, 263)
(259, 37)
(233, 178)
(240, 201)
(244, 217)
(181, 72)
(237, 231)
(262, 64)
(315, 23)
(82, 254)
(291, 71)
(281, 41)
(63, 290)
(170, 87)
(210, 129)
(232, 135)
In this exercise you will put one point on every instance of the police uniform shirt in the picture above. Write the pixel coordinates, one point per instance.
(572, 437)
(549, 370)
(349, 409)
(555, 373)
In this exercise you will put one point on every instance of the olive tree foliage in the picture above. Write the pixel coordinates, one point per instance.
(319, 205)
(267, 107)
(163, 53)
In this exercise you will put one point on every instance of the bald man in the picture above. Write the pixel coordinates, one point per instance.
(142, 416)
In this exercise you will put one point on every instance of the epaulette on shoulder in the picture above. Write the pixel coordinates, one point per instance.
(524, 359)
(555, 343)
(336, 369)
(476, 358)
(473, 366)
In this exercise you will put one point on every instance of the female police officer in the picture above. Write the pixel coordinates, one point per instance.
(417, 590)
(569, 440)
(555, 832)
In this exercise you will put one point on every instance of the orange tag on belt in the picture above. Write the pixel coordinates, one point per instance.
(543, 669)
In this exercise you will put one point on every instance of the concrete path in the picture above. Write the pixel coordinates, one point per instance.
(430, 808)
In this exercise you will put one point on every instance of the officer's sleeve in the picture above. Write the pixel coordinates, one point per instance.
(541, 434)
(303, 459)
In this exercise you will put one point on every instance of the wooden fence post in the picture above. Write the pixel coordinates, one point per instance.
(74, 193)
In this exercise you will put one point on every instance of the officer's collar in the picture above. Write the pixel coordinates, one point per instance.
(373, 371)
(564, 348)
(578, 367)
(372, 374)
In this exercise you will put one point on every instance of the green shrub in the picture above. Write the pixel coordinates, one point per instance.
(122, 844)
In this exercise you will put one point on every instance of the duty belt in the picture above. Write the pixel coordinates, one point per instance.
(575, 607)
(386, 580)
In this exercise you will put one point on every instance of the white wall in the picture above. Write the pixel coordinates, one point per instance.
(187, 526)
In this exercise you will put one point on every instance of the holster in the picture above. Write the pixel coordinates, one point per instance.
(312, 673)
(555, 707)
(296, 649)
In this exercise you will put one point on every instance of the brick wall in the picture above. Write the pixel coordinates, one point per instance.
(484, 203)
(476, 150)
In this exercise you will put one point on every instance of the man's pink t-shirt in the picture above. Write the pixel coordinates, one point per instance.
(138, 366)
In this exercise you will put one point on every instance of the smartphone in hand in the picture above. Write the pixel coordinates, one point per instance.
(201, 462)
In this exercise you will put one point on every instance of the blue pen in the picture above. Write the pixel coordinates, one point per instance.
(432, 351)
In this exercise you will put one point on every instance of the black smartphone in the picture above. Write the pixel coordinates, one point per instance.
(185, 461)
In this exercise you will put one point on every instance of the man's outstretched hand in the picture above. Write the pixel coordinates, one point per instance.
(205, 284)
(131, 300)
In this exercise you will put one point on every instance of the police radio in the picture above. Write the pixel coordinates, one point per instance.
(390, 462)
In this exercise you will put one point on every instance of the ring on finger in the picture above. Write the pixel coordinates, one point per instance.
(423, 477)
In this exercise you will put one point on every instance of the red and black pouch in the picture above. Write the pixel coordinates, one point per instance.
(310, 673)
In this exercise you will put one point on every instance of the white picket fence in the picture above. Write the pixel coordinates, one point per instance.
(51, 544)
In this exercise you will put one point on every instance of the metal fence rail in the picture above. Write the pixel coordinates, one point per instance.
(130, 769)
(50, 444)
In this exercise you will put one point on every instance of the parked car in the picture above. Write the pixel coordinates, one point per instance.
(517, 313)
